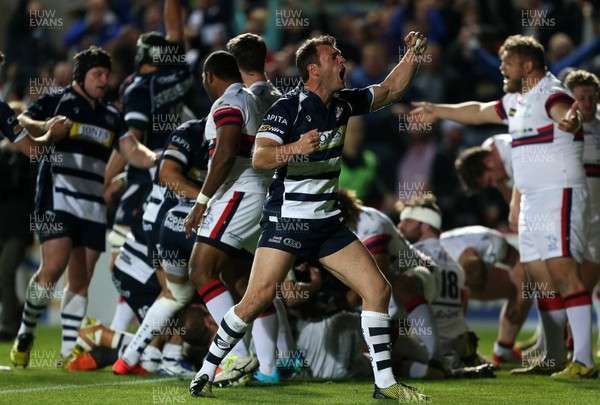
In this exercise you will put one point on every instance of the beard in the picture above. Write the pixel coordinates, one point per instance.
(512, 86)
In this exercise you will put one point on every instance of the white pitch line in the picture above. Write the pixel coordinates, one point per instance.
(68, 387)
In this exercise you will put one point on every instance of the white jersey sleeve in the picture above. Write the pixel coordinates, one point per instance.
(377, 232)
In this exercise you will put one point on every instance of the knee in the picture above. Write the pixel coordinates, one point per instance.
(379, 291)
(201, 272)
(182, 294)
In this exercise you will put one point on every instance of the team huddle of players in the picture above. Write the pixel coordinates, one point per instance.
(189, 222)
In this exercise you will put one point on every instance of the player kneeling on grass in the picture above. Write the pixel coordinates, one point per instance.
(420, 224)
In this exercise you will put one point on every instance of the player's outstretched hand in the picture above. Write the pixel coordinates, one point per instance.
(194, 219)
(416, 41)
(425, 112)
(572, 121)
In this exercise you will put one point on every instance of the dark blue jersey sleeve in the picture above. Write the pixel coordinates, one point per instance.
(44, 107)
(137, 108)
(9, 126)
(278, 121)
(360, 100)
(180, 145)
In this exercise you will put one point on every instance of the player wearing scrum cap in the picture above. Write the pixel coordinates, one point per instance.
(70, 211)
(153, 108)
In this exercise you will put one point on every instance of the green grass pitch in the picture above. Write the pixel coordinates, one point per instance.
(44, 384)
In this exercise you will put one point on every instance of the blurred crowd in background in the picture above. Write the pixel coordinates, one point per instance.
(396, 158)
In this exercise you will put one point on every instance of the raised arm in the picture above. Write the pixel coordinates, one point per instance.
(401, 77)
(173, 23)
(568, 118)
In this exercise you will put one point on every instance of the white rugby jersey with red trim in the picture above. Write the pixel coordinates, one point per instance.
(543, 156)
(238, 106)
(378, 233)
(447, 307)
(591, 158)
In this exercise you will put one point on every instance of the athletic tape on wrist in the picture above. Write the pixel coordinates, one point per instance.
(202, 199)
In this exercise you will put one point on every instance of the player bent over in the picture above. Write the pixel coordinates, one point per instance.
(492, 271)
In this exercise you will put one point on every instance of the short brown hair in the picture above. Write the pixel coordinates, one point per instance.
(582, 78)
(307, 54)
(250, 52)
(428, 201)
(527, 47)
(469, 168)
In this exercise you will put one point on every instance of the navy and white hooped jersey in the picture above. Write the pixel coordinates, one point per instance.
(447, 307)
(544, 157)
(266, 94)
(133, 259)
(9, 126)
(591, 158)
(503, 144)
(306, 186)
(239, 107)
(153, 105)
(489, 243)
(73, 180)
(187, 147)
